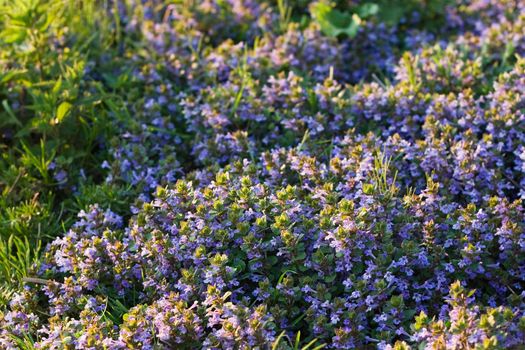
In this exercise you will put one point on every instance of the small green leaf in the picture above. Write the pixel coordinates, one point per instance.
(62, 110)
(368, 189)
(330, 278)
(57, 86)
(14, 35)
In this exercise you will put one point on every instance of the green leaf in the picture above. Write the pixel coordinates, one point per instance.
(334, 22)
(368, 9)
(11, 75)
(392, 13)
(330, 278)
(12, 117)
(57, 86)
(62, 110)
(281, 278)
(277, 341)
(368, 189)
(14, 35)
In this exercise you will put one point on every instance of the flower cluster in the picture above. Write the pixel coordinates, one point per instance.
(468, 326)
(325, 244)
(238, 98)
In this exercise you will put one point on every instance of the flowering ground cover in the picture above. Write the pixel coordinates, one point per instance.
(248, 174)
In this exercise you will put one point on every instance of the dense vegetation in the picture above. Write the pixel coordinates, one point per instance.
(240, 174)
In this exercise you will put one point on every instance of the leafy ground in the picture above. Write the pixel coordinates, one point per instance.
(238, 174)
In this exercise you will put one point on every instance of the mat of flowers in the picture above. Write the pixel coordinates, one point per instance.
(352, 191)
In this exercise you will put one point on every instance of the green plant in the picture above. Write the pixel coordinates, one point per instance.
(335, 23)
(52, 121)
(284, 342)
(431, 12)
(17, 257)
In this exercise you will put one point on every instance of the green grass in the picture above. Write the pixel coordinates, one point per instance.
(52, 114)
